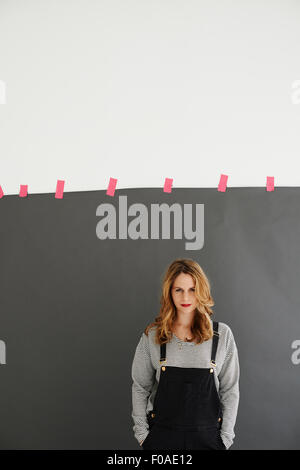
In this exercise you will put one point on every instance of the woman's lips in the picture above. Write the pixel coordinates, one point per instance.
(185, 305)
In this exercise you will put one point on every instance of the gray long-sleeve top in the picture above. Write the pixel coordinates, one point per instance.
(146, 368)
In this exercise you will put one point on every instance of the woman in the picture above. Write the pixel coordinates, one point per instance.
(185, 371)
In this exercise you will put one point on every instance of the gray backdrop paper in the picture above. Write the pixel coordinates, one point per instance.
(73, 308)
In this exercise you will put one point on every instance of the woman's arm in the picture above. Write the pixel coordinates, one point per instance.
(143, 376)
(229, 389)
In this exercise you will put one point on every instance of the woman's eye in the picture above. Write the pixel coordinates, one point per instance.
(177, 290)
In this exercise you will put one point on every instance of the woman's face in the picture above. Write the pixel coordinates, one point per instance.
(183, 293)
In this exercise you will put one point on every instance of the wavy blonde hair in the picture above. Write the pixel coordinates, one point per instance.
(201, 328)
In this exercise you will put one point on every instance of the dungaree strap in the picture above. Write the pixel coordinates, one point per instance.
(213, 351)
(215, 343)
(163, 353)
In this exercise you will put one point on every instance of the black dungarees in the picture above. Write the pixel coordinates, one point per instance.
(187, 410)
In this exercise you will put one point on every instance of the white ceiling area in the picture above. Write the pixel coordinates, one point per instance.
(146, 90)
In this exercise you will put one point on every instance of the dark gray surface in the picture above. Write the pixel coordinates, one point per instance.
(73, 308)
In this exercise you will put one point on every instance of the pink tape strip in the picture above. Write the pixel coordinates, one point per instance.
(1, 193)
(270, 183)
(111, 187)
(223, 183)
(60, 189)
(168, 185)
(23, 190)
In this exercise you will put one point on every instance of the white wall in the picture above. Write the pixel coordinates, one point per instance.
(140, 90)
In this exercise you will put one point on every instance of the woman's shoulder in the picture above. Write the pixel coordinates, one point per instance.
(226, 336)
(149, 336)
(223, 326)
(224, 329)
(151, 331)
